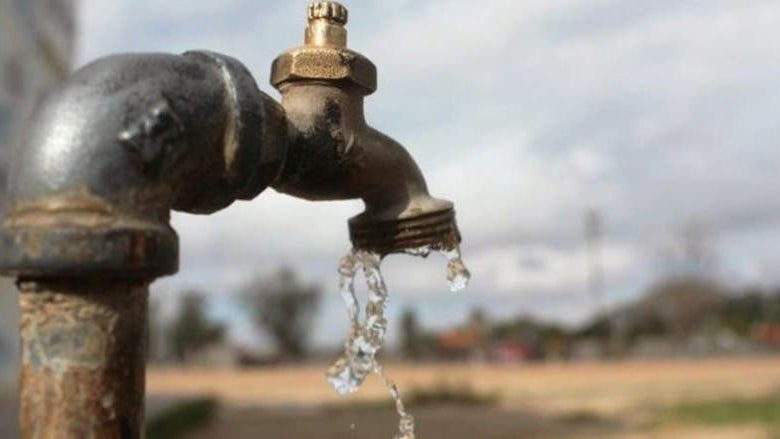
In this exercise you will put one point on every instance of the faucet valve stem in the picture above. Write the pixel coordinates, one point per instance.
(324, 55)
(334, 154)
(326, 25)
(331, 11)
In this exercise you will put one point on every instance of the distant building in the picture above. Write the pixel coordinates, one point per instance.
(767, 334)
(36, 50)
(511, 352)
(463, 344)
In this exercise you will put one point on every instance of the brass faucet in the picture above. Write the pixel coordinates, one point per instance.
(332, 152)
(130, 137)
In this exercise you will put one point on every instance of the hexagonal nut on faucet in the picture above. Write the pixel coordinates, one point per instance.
(324, 55)
(324, 64)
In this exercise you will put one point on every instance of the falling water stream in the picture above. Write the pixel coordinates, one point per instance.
(365, 338)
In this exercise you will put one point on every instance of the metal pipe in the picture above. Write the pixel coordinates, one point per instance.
(121, 143)
(83, 353)
(111, 152)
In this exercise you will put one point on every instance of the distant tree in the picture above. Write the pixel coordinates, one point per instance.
(191, 331)
(772, 310)
(740, 313)
(690, 250)
(479, 319)
(648, 325)
(412, 339)
(520, 329)
(599, 328)
(682, 305)
(284, 308)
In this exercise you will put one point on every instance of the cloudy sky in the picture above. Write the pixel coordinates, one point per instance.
(662, 115)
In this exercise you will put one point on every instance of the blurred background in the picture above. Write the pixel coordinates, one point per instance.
(614, 167)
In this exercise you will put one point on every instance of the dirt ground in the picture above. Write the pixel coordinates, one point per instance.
(539, 400)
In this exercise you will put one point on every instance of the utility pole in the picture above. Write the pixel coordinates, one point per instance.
(593, 237)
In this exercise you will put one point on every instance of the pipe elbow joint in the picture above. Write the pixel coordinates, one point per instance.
(123, 141)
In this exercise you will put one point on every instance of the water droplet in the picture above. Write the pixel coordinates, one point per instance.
(406, 425)
(406, 422)
(423, 251)
(458, 275)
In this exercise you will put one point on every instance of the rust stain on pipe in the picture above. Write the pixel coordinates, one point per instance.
(83, 355)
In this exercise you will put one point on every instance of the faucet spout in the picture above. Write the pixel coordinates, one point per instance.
(334, 154)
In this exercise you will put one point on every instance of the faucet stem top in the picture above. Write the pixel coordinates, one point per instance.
(332, 11)
(324, 57)
(326, 25)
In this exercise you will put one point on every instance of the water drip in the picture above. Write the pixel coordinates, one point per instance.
(365, 339)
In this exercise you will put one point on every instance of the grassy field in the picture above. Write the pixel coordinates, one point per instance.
(720, 398)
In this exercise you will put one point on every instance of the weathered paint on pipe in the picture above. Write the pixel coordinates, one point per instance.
(83, 354)
(123, 141)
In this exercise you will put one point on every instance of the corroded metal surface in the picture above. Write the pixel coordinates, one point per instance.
(126, 139)
(83, 353)
(78, 234)
(434, 231)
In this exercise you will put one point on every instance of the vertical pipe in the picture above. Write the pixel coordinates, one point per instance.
(83, 358)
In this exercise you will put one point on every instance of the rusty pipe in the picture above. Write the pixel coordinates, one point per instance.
(334, 154)
(121, 143)
(110, 153)
(83, 353)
